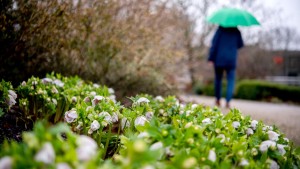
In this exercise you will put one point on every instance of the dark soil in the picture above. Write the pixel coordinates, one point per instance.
(12, 125)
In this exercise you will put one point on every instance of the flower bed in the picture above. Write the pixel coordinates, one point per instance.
(154, 132)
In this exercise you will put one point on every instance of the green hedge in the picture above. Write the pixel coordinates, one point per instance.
(208, 89)
(256, 90)
(261, 90)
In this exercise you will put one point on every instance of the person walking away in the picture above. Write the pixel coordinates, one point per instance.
(223, 55)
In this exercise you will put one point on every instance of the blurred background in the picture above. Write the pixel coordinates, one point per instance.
(150, 46)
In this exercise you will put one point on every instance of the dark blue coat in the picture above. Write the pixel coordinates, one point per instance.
(224, 48)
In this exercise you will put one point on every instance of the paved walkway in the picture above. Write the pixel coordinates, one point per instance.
(286, 117)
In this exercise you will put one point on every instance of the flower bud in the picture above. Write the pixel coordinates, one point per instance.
(71, 116)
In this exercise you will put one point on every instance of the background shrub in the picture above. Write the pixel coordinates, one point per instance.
(260, 90)
(120, 44)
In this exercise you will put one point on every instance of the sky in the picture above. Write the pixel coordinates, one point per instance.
(290, 11)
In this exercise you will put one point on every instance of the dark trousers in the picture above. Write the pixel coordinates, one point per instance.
(230, 75)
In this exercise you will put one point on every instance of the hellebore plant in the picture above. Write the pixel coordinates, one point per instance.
(154, 132)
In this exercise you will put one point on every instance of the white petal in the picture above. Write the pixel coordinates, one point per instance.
(159, 98)
(149, 115)
(140, 121)
(71, 116)
(264, 146)
(95, 125)
(46, 154)
(244, 162)
(254, 124)
(6, 162)
(156, 146)
(63, 166)
(206, 121)
(125, 123)
(143, 100)
(212, 156)
(236, 124)
(13, 94)
(273, 135)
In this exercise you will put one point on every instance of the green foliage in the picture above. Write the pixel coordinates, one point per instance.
(260, 90)
(5, 98)
(152, 132)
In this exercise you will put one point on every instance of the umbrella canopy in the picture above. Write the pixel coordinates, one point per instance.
(232, 17)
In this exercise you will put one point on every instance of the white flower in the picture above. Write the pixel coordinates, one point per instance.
(222, 136)
(194, 106)
(46, 154)
(111, 91)
(273, 135)
(88, 108)
(125, 123)
(156, 146)
(47, 80)
(249, 131)
(95, 85)
(188, 125)
(58, 83)
(254, 151)
(168, 151)
(6, 162)
(148, 167)
(34, 82)
(96, 100)
(63, 166)
(142, 100)
(107, 117)
(143, 135)
(182, 106)
(54, 90)
(267, 128)
(74, 99)
(149, 115)
(281, 148)
(244, 162)
(23, 83)
(177, 102)
(54, 101)
(254, 124)
(212, 155)
(140, 121)
(114, 118)
(71, 116)
(187, 113)
(13, 94)
(87, 148)
(95, 125)
(189, 162)
(206, 121)
(236, 124)
(87, 99)
(286, 139)
(79, 126)
(93, 93)
(274, 165)
(10, 101)
(264, 146)
(159, 98)
(113, 98)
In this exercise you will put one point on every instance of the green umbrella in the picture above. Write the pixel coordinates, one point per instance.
(232, 17)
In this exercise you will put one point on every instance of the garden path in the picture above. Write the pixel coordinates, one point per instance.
(285, 116)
